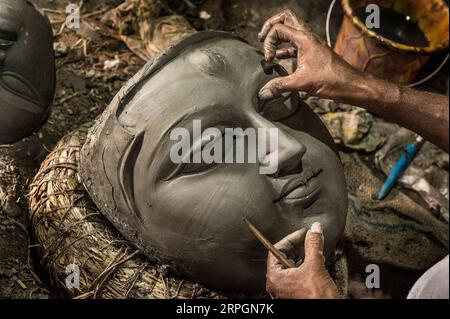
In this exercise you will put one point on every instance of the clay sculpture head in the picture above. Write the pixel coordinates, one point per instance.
(189, 216)
(27, 69)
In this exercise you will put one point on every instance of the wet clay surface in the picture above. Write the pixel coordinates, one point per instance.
(190, 215)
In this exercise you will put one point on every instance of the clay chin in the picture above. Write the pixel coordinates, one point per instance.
(27, 69)
(189, 215)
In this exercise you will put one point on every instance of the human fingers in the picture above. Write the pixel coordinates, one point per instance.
(287, 17)
(288, 244)
(286, 53)
(278, 86)
(277, 35)
(314, 243)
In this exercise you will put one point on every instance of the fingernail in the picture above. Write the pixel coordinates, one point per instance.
(265, 94)
(316, 228)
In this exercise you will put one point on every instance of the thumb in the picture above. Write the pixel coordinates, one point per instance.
(278, 86)
(314, 245)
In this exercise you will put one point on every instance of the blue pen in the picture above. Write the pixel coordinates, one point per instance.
(399, 168)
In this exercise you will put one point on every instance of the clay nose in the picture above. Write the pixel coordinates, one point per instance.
(290, 156)
(289, 151)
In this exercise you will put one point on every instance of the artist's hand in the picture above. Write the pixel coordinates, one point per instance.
(320, 71)
(309, 281)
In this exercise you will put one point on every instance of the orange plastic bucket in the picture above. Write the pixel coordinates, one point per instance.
(370, 52)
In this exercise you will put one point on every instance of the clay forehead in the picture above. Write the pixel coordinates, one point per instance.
(218, 57)
(215, 71)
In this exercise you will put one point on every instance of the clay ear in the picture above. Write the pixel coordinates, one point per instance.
(126, 173)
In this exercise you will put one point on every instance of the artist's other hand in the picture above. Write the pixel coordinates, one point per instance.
(320, 71)
(309, 281)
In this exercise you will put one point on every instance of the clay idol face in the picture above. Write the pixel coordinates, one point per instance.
(190, 215)
(27, 69)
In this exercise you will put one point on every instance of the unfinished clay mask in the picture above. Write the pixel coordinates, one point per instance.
(27, 69)
(190, 217)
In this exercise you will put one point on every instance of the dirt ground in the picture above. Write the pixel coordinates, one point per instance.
(85, 86)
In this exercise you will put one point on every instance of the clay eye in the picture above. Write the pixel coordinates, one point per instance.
(7, 39)
(188, 167)
(209, 62)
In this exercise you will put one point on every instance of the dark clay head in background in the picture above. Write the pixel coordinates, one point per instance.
(27, 69)
(191, 216)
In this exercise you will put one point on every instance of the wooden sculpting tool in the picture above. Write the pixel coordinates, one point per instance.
(282, 258)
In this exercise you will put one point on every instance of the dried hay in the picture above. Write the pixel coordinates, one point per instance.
(137, 23)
